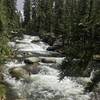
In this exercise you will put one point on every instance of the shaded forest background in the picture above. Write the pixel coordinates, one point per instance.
(74, 23)
(70, 27)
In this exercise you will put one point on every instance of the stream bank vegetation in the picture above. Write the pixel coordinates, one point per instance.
(9, 21)
(71, 27)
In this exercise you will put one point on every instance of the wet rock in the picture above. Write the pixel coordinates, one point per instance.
(19, 73)
(48, 38)
(95, 79)
(95, 76)
(36, 39)
(19, 56)
(33, 69)
(31, 60)
(52, 48)
(57, 60)
(48, 60)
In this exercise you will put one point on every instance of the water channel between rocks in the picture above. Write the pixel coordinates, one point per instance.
(40, 81)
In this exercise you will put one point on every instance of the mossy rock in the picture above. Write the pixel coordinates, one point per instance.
(19, 73)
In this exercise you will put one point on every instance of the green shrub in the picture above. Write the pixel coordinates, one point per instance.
(2, 90)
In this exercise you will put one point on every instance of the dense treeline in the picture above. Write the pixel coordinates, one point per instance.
(77, 22)
(9, 22)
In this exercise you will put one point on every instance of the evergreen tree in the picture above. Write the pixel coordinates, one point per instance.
(27, 13)
(7, 24)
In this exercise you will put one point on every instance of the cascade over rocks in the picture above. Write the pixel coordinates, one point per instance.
(34, 74)
(95, 76)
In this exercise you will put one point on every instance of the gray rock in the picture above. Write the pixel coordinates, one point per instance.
(95, 76)
(31, 60)
(19, 72)
(33, 69)
(36, 39)
(48, 60)
(52, 48)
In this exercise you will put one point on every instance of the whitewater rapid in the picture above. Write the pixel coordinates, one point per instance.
(45, 85)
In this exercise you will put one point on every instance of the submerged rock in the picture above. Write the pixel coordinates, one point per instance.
(33, 69)
(31, 60)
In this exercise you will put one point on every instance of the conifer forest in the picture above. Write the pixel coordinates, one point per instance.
(49, 49)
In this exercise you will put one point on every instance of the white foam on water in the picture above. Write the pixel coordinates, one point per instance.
(50, 87)
(12, 44)
(30, 47)
(46, 70)
(15, 63)
(26, 45)
(28, 39)
(44, 85)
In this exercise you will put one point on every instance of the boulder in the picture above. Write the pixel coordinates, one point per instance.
(48, 60)
(31, 60)
(57, 60)
(33, 69)
(36, 39)
(19, 72)
(95, 79)
(52, 48)
(95, 76)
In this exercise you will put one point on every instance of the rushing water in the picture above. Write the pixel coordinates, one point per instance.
(45, 85)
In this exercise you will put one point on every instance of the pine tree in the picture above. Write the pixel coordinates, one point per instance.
(7, 24)
(79, 47)
(27, 10)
